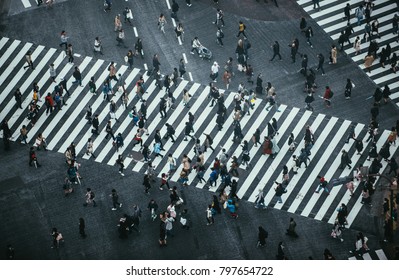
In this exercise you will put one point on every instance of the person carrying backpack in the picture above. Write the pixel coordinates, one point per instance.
(328, 94)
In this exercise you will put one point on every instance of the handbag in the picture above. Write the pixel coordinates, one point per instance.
(112, 114)
(126, 58)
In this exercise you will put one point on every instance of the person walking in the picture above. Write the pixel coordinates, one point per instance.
(179, 30)
(146, 184)
(98, 48)
(82, 227)
(64, 39)
(291, 228)
(109, 131)
(322, 185)
(345, 160)
(262, 235)
(120, 161)
(241, 29)
(120, 38)
(333, 55)
(280, 251)
(155, 63)
(114, 196)
(28, 57)
(308, 35)
(209, 215)
(175, 9)
(95, 123)
(90, 198)
(214, 71)
(69, 53)
(78, 77)
(162, 23)
(328, 94)
(219, 36)
(320, 58)
(182, 68)
(260, 200)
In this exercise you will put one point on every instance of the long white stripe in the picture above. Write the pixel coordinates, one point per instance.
(3, 42)
(58, 114)
(104, 115)
(121, 129)
(329, 174)
(367, 257)
(27, 101)
(356, 208)
(211, 125)
(299, 127)
(381, 255)
(262, 160)
(333, 9)
(8, 52)
(335, 190)
(15, 61)
(18, 76)
(171, 120)
(315, 125)
(77, 109)
(26, 3)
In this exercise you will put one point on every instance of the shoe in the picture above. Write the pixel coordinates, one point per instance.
(120, 205)
(192, 52)
(113, 209)
(122, 174)
(161, 189)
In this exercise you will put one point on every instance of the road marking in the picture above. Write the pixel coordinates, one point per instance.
(77, 55)
(180, 42)
(145, 67)
(191, 76)
(185, 58)
(174, 22)
(26, 3)
(135, 32)
(168, 4)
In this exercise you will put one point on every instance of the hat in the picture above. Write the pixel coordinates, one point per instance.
(322, 179)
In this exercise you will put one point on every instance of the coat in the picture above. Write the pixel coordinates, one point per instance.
(267, 148)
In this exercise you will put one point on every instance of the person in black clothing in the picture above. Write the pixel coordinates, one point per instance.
(143, 109)
(162, 107)
(393, 166)
(6, 134)
(262, 235)
(78, 76)
(155, 63)
(146, 183)
(345, 160)
(32, 157)
(175, 9)
(220, 121)
(293, 51)
(170, 131)
(374, 111)
(63, 83)
(347, 12)
(109, 131)
(304, 65)
(158, 139)
(95, 123)
(18, 98)
(187, 131)
(276, 50)
(320, 65)
(82, 228)
(280, 251)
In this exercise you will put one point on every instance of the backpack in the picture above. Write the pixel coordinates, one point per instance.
(221, 34)
(92, 195)
(331, 93)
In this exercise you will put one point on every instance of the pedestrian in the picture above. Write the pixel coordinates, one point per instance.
(95, 124)
(214, 71)
(82, 227)
(33, 158)
(322, 185)
(130, 60)
(333, 55)
(209, 215)
(291, 228)
(109, 131)
(52, 72)
(179, 30)
(120, 161)
(241, 29)
(260, 200)
(107, 5)
(57, 238)
(69, 53)
(328, 94)
(28, 57)
(161, 23)
(280, 251)
(98, 48)
(78, 76)
(360, 244)
(279, 191)
(262, 235)
(146, 184)
(128, 15)
(138, 46)
(64, 39)
(309, 34)
(357, 45)
(328, 255)
(153, 207)
(359, 146)
(120, 38)
(170, 131)
(320, 64)
(182, 68)
(156, 63)
(90, 198)
(114, 196)
(348, 89)
(386, 93)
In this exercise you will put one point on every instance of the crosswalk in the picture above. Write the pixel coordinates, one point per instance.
(69, 125)
(371, 255)
(330, 18)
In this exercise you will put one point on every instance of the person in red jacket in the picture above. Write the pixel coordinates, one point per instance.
(49, 103)
(327, 96)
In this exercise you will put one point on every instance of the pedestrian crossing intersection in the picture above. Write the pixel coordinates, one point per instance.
(331, 18)
(61, 128)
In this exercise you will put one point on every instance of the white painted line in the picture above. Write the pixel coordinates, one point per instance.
(26, 3)
(168, 4)
(381, 255)
(262, 160)
(313, 181)
(16, 59)
(185, 58)
(18, 76)
(135, 32)
(191, 76)
(77, 55)
(58, 115)
(128, 136)
(145, 67)
(3, 41)
(9, 51)
(367, 257)
(77, 108)
(174, 22)
(333, 9)
(27, 84)
(103, 117)
(172, 120)
(335, 190)
(295, 178)
(356, 208)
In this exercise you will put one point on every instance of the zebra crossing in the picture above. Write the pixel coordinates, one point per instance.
(330, 18)
(371, 255)
(61, 128)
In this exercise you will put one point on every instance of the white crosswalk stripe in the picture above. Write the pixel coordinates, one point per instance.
(371, 255)
(61, 128)
(331, 18)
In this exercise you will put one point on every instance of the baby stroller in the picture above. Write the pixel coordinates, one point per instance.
(204, 53)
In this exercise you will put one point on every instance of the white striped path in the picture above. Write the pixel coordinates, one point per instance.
(380, 255)
(9, 50)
